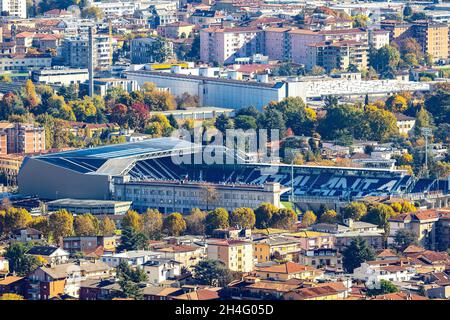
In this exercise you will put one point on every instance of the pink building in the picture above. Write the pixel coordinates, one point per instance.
(223, 45)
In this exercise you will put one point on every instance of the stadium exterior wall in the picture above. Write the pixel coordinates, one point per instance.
(47, 181)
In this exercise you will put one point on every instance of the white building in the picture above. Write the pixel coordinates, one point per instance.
(24, 62)
(378, 38)
(15, 8)
(133, 258)
(160, 270)
(62, 76)
(372, 272)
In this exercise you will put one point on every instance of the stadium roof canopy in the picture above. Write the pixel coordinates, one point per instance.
(114, 159)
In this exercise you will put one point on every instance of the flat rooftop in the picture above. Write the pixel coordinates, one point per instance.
(87, 203)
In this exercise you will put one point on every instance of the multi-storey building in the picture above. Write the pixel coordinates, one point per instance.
(143, 50)
(378, 38)
(76, 51)
(237, 255)
(21, 138)
(223, 45)
(338, 55)
(433, 37)
(15, 8)
(24, 62)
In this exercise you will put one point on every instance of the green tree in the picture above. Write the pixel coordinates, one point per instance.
(19, 261)
(243, 217)
(296, 115)
(384, 58)
(245, 122)
(384, 287)
(212, 273)
(404, 238)
(264, 215)
(222, 123)
(216, 219)
(132, 240)
(129, 280)
(174, 224)
(356, 253)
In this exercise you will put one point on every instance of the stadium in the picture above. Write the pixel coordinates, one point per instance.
(100, 173)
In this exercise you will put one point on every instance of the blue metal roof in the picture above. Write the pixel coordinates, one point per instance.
(123, 150)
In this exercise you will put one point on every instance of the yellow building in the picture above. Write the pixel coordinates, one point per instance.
(237, 255)
(279, 247)
(433, 37)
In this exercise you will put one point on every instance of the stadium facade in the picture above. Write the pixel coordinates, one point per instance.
(149, 174)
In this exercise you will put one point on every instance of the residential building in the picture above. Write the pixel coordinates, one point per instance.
(443, 231)
(24, 62)
(10, 166)
(76, 54)
(148, 50)
(378, 38)
(276, 247)
(433, 37)
(206, 17)
(328, 259)
(160, 270)
(132, 258)
(237, 255)
(345, 234)
(14, 8)
(12, 284)
(64, 279)
(53, 255)
(163, 13)
(339, 55)
(176, 30)
(223, 45)
(287, 271)
(90, 244)
(422, 223)
(21, 138)
(187, 255)
(26, 235)
(404, 123)
(324, 291)
(372, 272)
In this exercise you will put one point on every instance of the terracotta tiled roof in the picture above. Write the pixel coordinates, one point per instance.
(399, 296)
(286, 268)
(413, 249)
(386, 253)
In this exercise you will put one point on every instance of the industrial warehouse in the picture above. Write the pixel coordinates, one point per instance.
(147, 174)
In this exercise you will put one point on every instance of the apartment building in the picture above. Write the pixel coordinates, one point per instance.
(21, 138)
(422, 223)
(237, 255)
(142, 49)
(24, 62)
(15, 8)
(279, 247)
(76, 54)
(223, 45)
(338, 55)
(378, 38)
(433, 37)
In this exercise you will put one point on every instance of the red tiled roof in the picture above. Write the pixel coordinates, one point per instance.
(286, 268)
